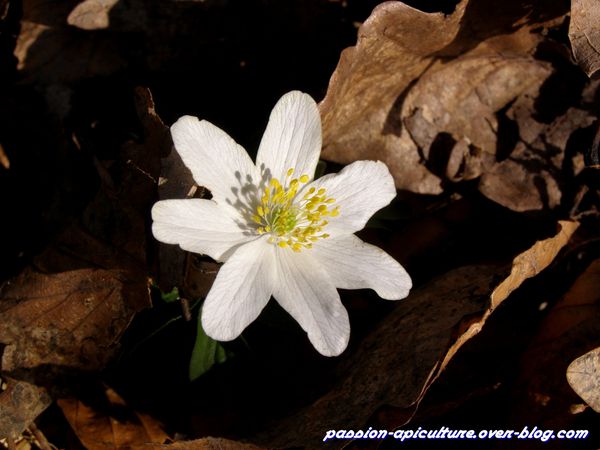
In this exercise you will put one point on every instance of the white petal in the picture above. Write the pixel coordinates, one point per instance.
(354, 264)
(359, 189)
(216, 161)
(304, 290)
(199, 226)
(241, 290)
(292, 138)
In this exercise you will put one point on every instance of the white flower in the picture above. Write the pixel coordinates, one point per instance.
(280, 233)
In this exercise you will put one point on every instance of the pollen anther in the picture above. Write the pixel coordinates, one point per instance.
(293, 221)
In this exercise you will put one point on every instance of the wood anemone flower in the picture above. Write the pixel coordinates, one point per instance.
(279, 232)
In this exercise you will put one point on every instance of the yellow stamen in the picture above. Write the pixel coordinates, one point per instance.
(291, 221)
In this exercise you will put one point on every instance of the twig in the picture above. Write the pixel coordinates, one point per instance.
(39, 436)
(11, 443)
(185, 309)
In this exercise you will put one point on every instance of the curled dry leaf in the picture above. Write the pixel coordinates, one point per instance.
(394, 48)
(585, 35)
(531, 178)
(20, 403)
(397, 363)
(111, 423)
(583, 375)
(91, 14)
(460, 101)
(442, 98)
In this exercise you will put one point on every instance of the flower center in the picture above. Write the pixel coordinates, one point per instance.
(293, 222)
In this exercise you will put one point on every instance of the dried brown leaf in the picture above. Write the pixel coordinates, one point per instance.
(531, 177)
(448, 98)
(91, 14)
(20, 403)
(397, 363)
(395, 46)
(460, 99)
(398, 45)
(72, 319)
(583, 376)
(585, 35)
(113, 426)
